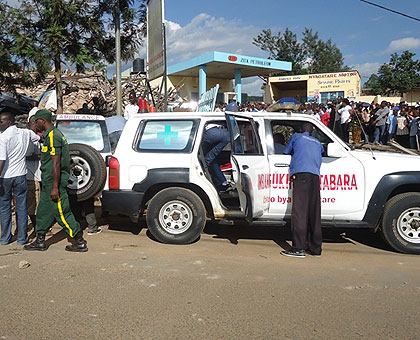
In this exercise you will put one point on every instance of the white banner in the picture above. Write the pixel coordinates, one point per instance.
(155, 38)
(208, 100)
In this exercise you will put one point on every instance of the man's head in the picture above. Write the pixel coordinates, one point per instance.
(307, 127)
(31, 124)
(132, 97)
(6, 119)
(383, 103)
(42, 119)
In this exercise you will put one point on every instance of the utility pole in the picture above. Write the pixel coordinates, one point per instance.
(118, 58)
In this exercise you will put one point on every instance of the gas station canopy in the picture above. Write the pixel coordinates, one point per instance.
(222, 65)
(227, 66)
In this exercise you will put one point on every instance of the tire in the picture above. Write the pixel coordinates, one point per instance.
(87, 171)
(176, 216)
(401, 223)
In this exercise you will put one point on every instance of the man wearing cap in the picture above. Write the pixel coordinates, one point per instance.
(54, 203)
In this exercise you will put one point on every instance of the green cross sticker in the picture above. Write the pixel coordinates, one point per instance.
(167, 135)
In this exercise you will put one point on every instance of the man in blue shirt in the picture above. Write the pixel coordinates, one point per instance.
(306, 162)
(392, 123)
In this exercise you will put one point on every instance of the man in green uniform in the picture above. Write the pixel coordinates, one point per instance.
(54, 203)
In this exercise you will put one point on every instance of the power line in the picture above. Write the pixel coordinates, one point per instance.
(391, 10)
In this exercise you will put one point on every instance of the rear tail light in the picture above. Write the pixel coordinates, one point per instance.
(114, 173)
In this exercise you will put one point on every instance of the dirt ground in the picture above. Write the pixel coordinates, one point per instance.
(231, 284)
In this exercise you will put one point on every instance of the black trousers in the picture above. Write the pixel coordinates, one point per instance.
(306, 213)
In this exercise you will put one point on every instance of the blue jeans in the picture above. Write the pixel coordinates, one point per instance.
(17, 186)
(217, 138)
(379, 133)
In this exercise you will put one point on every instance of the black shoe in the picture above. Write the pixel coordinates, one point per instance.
(38, 244)
(313, 253)
(79, 245)
(224, 188)
(294, 253)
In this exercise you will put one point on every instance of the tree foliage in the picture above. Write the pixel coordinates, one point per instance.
(373, 86)
(400, 75)
(312, 55)
(79, 33)
(18, 56)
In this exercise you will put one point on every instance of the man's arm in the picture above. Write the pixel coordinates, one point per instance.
(56, 176)
(2, 163)
(3, 156)
(289, 147)
(34, 137)
(381, 115)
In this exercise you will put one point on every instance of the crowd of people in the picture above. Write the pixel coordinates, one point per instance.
(375, 123)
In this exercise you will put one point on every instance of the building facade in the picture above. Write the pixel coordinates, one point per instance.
(314, 87)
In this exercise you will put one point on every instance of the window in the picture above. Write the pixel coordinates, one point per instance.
(92, 133)
(283, 131)
(245, 139)
(167, 135)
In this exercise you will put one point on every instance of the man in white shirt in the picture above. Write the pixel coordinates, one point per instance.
(344, 113)
(132, 108)
(14, 145)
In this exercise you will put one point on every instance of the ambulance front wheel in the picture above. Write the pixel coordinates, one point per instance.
(401, 223)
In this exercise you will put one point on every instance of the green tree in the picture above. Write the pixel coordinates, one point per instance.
(78, 32)
(373, 86)
(312, 55)
(283, 47)
(16, 68)
(400, 75)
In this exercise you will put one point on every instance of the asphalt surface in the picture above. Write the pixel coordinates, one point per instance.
(231, 284)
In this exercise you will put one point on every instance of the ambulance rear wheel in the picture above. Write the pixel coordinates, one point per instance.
(176, 216)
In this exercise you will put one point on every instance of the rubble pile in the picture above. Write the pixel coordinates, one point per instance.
(80, 88)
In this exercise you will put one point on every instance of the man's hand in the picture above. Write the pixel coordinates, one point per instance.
(54, 194)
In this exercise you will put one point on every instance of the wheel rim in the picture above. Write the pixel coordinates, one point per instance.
(80, 173)
(175, 217)
(408, 225)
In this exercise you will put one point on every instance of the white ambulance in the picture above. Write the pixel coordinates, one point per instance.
(158, 169)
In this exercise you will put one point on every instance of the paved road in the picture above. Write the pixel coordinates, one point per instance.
(232, 284)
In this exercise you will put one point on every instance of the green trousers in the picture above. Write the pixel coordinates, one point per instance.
(50, 211)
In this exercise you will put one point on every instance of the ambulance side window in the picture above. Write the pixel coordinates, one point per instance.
(283, 130)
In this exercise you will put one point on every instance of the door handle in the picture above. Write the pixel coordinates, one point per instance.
(281, 165)
(245, 167)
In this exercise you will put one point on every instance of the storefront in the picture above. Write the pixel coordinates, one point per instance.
(314, 87)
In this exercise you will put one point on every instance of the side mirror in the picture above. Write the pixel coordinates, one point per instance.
(335, 150)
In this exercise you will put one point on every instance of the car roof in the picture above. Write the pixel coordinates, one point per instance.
(218, 114)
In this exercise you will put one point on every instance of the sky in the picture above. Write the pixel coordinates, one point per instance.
(366, 35)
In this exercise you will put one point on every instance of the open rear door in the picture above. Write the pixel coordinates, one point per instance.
(250, 165)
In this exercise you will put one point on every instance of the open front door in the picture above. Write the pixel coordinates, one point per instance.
(250, 166)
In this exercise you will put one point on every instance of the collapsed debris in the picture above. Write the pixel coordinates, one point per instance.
(97, 91)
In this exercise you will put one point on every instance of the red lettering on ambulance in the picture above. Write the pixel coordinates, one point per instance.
(353, 182)
(332, 182)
